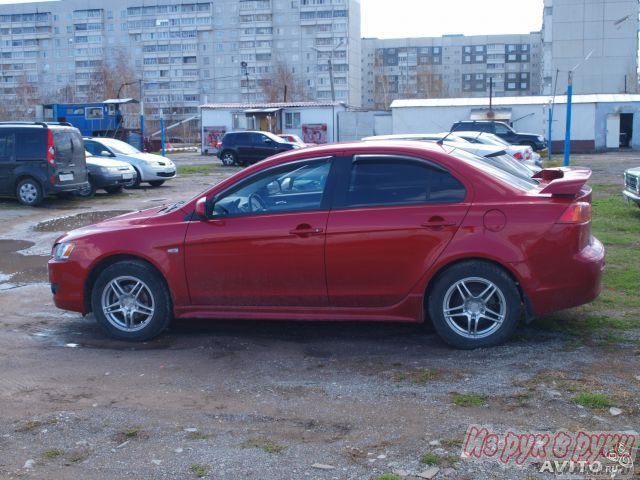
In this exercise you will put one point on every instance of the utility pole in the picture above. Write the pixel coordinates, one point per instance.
(141, 117)
(245, 72)
(333, 90)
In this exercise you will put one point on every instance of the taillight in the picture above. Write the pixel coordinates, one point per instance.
(578, 212)
(218, 144)
(517, 155)
(51, 159)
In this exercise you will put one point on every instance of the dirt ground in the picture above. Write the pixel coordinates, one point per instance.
(270, 400)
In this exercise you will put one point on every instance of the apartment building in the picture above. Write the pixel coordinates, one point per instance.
(597, 40)
(449, 66)
(180, 54)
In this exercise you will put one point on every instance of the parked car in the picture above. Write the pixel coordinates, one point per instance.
(504, 131)
(632, 185)
(380, 231)
(152, 169)
(247, 147)
(291, 138)
(108, 174)
(39, 159)
(523, 153)
(495, 155)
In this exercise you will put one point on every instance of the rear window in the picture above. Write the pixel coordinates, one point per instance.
(483, 164)
(68, 145)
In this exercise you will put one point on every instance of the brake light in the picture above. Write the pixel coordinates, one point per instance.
(218, 144)
(51, 159)
(517, 155)
(578, 212)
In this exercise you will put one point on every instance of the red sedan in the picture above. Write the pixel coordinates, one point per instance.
(374, 231)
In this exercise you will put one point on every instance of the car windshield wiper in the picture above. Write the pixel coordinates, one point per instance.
(171, 207)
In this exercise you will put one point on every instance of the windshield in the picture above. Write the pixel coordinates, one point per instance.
(121, 147)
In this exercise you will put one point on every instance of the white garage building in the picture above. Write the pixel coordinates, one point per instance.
(598, 122)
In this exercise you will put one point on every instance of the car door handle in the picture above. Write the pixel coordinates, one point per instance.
(437, 222)
(305, 230)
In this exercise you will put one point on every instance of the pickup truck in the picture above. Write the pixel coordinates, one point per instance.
(504, 131)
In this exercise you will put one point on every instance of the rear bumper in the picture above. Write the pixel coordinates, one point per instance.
(574, 281)
(65, 187)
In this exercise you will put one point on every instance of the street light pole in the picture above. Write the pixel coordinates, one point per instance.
(567, 133)
(333, 90)
(141, 117)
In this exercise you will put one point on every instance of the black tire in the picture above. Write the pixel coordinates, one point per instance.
(113, 189)
(228, 158)
(88, 192)
(494, 315)
(29, 192)
(136, 182)
(134, 318)
(156, 183)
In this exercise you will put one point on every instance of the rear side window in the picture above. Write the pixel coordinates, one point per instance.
(229, 139)
(31, 144)
(7, 145)
(384, 180)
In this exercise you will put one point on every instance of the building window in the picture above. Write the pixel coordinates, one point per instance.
(292, 120)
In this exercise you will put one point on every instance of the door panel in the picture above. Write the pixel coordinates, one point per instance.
(258, 260)
(375, 256)
(613, 131)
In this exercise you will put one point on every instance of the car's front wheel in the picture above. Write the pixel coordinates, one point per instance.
(474, 304)
(130, 301)
(29, 192)
(156, 183)
(113, 189)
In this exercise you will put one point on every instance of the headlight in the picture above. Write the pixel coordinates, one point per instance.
(62, 251)
(109, 169)
(540, 138)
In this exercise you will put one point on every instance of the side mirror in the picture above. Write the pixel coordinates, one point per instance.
(105, 153)
(268, 141)
(201, 208)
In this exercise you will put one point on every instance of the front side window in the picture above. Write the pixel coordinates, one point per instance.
(299, 186)
(501, 128)
(388, 181)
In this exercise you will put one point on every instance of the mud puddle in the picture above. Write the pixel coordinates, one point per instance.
(16, 269)
(63, 224)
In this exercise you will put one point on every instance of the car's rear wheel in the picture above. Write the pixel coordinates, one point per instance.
(88, 191)
(474, 304)
(29, 192)
(228, 159)
(130, 301)
(156, 183)
(113, 189)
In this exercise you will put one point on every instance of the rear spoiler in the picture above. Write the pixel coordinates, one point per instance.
(563, 181)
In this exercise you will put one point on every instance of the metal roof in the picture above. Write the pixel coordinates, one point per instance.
(262, 106)
(509, 101)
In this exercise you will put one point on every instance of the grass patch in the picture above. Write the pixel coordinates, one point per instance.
(419, 376)
(53, 453)
(31, 425)
(452, 442)
(265, 445)
(593, 400)
(199, 469)
(198, 436)
(195, 169)
(434, 459)
(388, 476)
(468, 399)
(131, 433)
(77, 456)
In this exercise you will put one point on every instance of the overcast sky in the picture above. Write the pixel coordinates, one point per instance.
(433, 18)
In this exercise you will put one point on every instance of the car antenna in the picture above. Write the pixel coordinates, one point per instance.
(441, 141)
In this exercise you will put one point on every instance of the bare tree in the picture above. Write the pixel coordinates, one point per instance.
(282, 85)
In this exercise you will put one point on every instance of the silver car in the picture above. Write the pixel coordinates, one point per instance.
(151, 168)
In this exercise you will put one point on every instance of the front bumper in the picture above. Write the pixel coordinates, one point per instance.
(156, 172)
(630, 196)
(67, 279)
(113, 180)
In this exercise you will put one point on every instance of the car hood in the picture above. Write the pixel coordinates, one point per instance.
(147, 157)
(633, 171)
(107, 162)
(122, 222)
